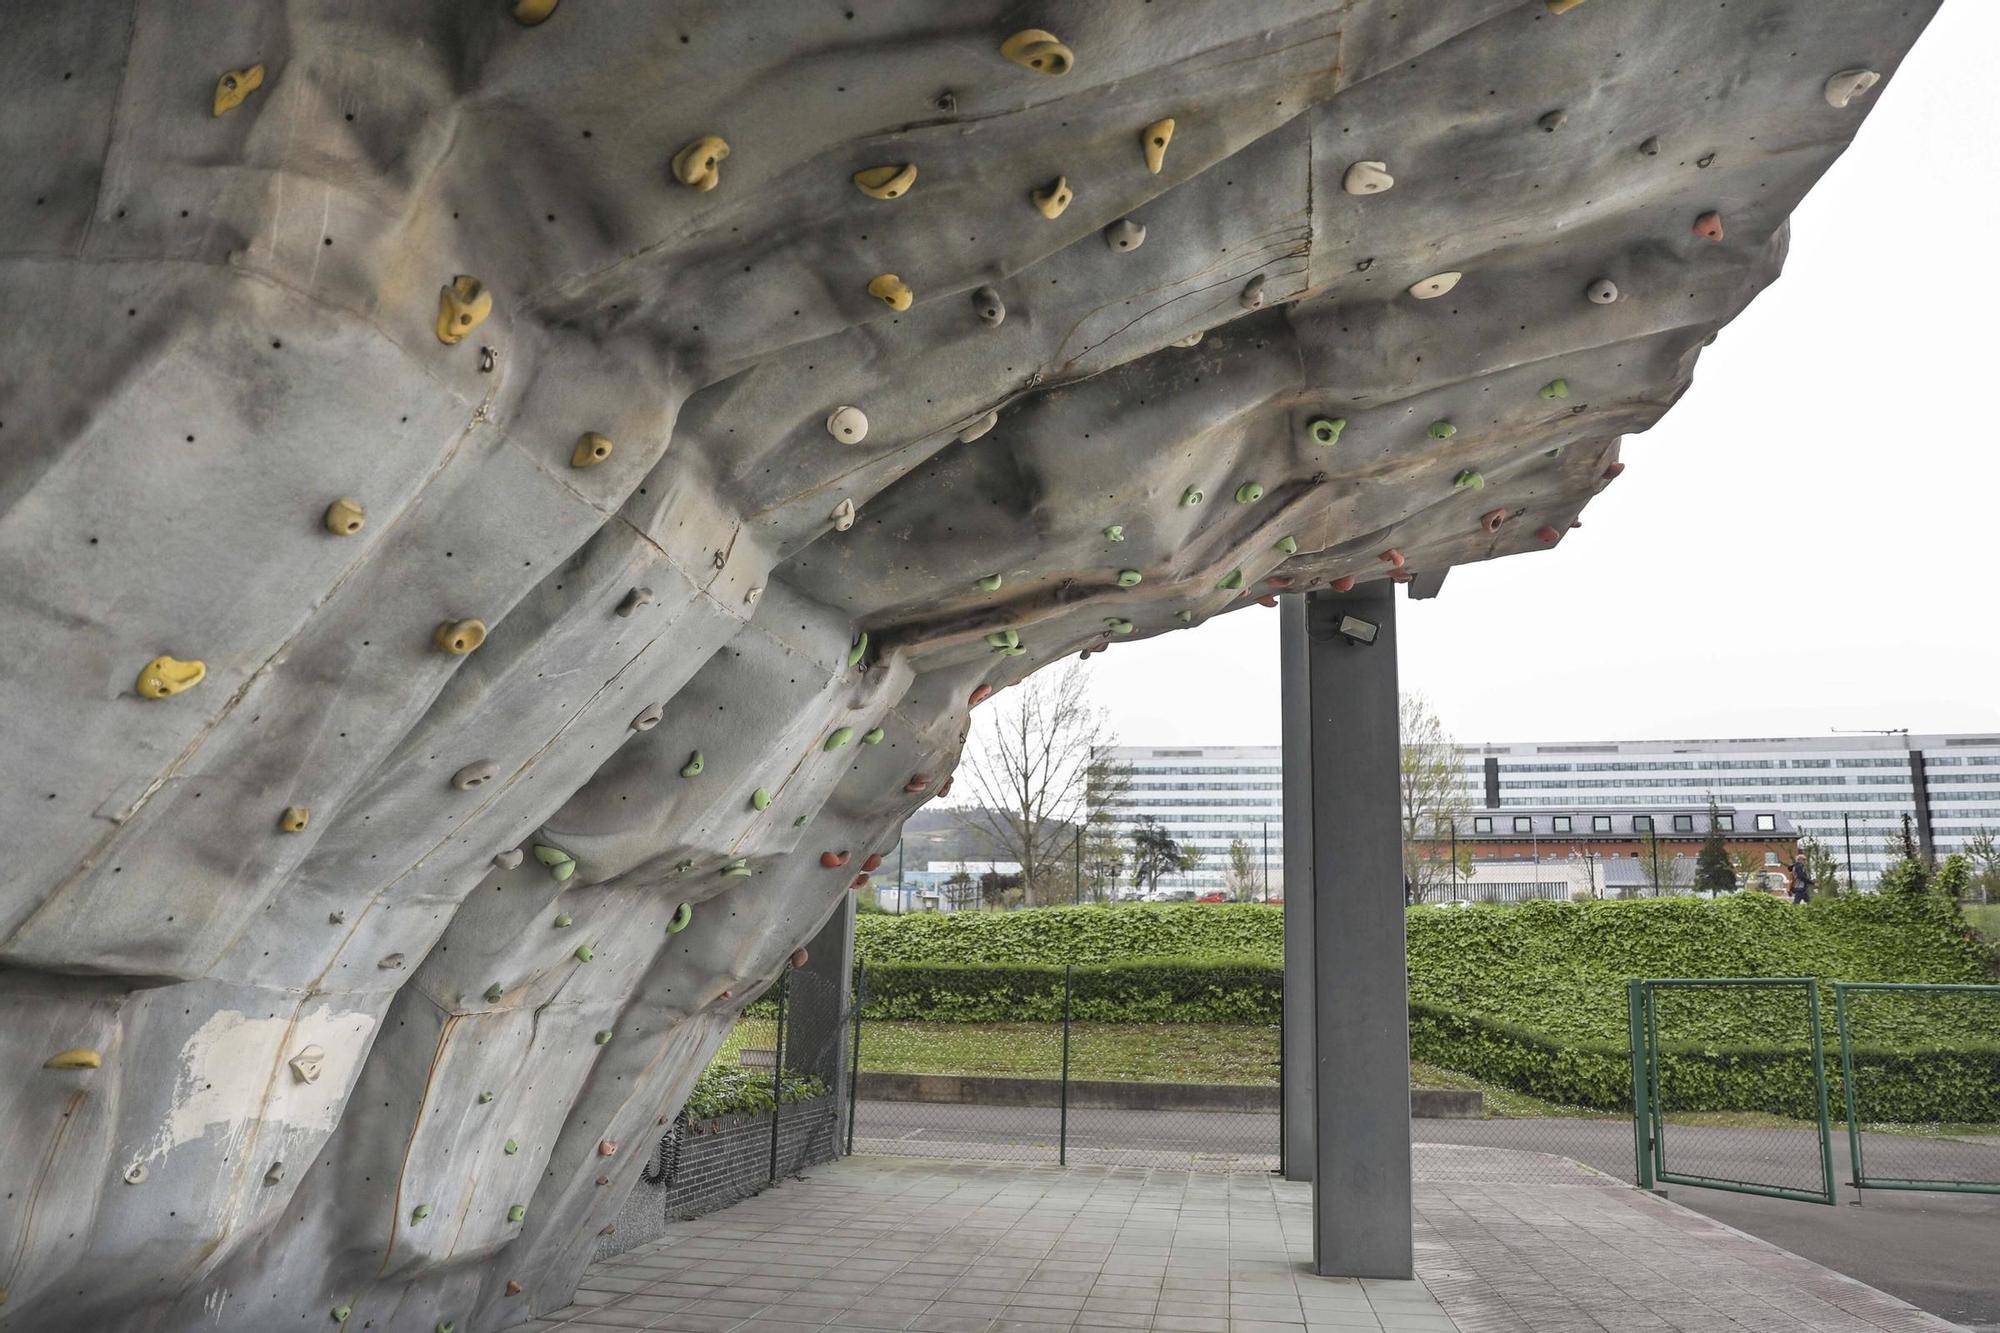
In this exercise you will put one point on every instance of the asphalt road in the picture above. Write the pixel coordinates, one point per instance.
(1940, 1252)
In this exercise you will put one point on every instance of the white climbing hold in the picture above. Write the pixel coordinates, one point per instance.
(1435, 285)
(843, 516)
(1252, 295)
(974, 430)
(1849, 84)
(1125, 234)
(306, 1064)
(1367, 178)
(510, 859)
(648, 718)
(1192, 339)
(1602, 292)
(849, 425)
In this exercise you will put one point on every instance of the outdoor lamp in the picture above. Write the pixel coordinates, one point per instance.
(1356, 630)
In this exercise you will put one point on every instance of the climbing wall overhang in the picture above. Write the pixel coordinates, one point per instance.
(497, 507)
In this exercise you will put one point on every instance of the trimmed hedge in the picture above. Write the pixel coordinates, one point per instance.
(1143, 990)
(1099, 934)
(722, 1090)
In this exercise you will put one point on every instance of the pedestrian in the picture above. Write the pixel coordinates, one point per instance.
(1801, 881)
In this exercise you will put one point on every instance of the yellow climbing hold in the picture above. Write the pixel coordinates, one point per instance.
(1153, 141)
(459, 637)
(591, 449)
(76, 1057)
(528, 13)
(891, 291)
(1037, 50)
(463, 306)
(700, 163)
(294, 819)
(1053, 198)
(345, 517)
(1561, 6)
(234, 86)
(165, 677)
(886, 182)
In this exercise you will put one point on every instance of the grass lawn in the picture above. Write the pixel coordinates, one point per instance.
(1984, 918)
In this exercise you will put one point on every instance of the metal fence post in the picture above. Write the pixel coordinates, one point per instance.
(778, 1073)
(1642, 1155)
(1819, 1078)
(1062, 1130)
(854, 1053)
(1847, 1082)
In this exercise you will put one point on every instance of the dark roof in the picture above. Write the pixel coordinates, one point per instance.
(1582, 822)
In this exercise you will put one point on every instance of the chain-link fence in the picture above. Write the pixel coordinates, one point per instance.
(1920, 1079)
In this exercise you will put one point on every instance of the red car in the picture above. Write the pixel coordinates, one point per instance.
(1213, 898)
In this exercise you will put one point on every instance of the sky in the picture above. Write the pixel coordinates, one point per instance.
(1808, 540)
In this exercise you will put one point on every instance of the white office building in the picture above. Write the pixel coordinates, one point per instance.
(1849, 792)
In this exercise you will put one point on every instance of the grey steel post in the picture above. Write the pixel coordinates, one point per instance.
(1295, 1035)
(816, 1032)
(1062, 1129)
(1847, 832)
(1920, 791)
(1361, 1023)
(778, 1073)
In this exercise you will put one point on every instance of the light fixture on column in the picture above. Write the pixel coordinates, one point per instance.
(1356, 630)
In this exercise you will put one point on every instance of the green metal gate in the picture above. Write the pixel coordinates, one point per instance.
(1686, 1031)
(1920, 1032)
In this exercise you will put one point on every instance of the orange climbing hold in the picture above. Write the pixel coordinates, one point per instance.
(1611, 473)
(833, 860)
(1492, 519)
(873, 862)
(860, 881)
(799, 957)
(918, 782)
(1547, 535)
(979, 696)
(1345, 583)
(1392, 558)
(1709, 226)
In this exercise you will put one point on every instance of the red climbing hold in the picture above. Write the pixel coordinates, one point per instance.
(979, 696)
(1492, 519)
(513, 1287)
(1547, 534)
(799, 957)
(946, 789)
(1345, 583)
(1392, 557)
(1709, 226)
(860, 881)
(873, 862)
(1611, 473)
(1278, 581)
(833, 860)
(1267, 601)
(606, 1147)
(603, 1181)
(918, 782)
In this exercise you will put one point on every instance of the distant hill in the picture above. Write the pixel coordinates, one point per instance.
(940, 834)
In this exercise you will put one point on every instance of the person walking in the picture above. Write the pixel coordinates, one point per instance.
(1801, 881)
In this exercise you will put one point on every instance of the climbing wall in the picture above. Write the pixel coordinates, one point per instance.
(503, 509)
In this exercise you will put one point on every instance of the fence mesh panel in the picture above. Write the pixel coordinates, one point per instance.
(1920, 1067)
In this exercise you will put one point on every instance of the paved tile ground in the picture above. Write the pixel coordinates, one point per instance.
(967, 1247)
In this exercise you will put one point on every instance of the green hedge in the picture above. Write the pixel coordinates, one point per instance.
(1104, 934)
(1144, 990)
(722, 1090)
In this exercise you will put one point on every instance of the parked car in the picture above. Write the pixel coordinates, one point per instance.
(1213, 898)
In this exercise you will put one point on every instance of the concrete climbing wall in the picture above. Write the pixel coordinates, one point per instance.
(503, 510)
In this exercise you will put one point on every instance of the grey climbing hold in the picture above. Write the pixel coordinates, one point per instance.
(873, 736)
(692, 768)
(1288, 545)
(390, 962)
(1116, 532)
(1125, 234)
(1602, 292)
(849, 425)
(649, 717)
(1326, 430)
(843, 516)
(635, 599)
(1129, 578)
(1249, 493)
(275, 1174)
(1250, 298)
(1552, 121)
(494, 992)
(1650, 147)
(978, 428)
(336, 918)
(858, 649)
(1191, 496)
(679, 921)
(1469, 480)
(1435, 285)
(135, 1174)
(510, 859)
(476, 774)
(991, 582)
(1557, 388)
(1367, 178)
(1442, 430)
(992, 310)
(760, 799)
(803, 820)
(1232, 581)
(838, 737)
(1849, 84)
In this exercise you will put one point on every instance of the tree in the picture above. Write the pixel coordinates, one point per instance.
(1713, 870)
(1155, 852)
(1242, 872)
(1822, 866)
(1103, 843)
(959, 887)
(1028, 771)
(1433, 802)
(1667, 873)
(1984, 851)
(1749, 869)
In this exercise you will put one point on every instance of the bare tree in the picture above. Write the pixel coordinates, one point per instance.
(1984, 850)
(1434, 804)
(1103, 841)
(1028, 769)
(1242, 873)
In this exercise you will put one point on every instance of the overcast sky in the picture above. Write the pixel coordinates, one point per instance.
(1808, 540)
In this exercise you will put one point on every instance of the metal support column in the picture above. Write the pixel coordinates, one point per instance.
(1295, 1064)
(816, 1019)
(1360, 985)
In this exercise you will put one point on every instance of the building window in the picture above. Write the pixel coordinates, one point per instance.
(1683, 823)
(1727, 823)
(1482, 823)
(1770, 858)
(1600, 823)
(1767, 823)
(1642, 824)
(1523, 824)
(1562, 824)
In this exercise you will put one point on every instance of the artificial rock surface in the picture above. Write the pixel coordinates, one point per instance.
(522, 423)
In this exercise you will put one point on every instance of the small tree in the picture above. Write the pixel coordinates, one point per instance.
(1749, 869)
(1433, 802)
(1667, 872)
(1242, 871)
(1155, 852)
(1103, 844)
(1713, 870)
(1984, 852)
(1821, 866)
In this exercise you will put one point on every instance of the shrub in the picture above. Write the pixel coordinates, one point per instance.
(722, 1091)
(1146, 990)
(1100, 934)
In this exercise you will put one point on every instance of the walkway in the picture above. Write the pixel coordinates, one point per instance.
(956, 1247)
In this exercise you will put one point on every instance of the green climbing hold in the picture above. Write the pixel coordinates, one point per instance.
(1129, 578)
(1288, 545)
(603, 1038)
(738, 869)
(1118, 626)
(485, 1097)
(444, 1326)
(1116, 532)
(1249, 493)
(1556, 389)
(510, 1147)
(760, 799)
(419, 1213)
(341, 1313)
(584, 953)
(1003, 639)
(1325, 430)
(518, 1213)
(682, 915)
(1191, 496)
(872, 736)
(1469, 480)
(992, 582)
(1443, 430)
(1185, 617)
(562, 870)
(563, 921)
(802, 820)
(550, 856)
(858, 649)
(1016, 651)
(839, 737)
(1235, 580)
(494, 992)
(692, 768)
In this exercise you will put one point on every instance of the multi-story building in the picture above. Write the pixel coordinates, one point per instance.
(1850, 793)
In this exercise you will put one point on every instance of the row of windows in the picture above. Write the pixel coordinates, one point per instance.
(1640, 823)
(1169, 769)
(1202, 802)
(1727, 784)
(1149, 785)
